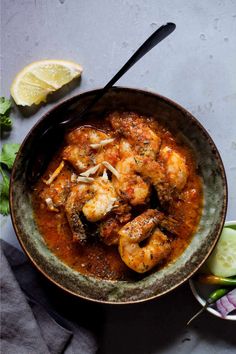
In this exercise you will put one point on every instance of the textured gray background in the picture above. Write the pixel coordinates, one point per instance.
(195, 66)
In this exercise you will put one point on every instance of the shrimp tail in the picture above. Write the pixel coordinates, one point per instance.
(170, 224)
(73, 208)
(166, 222)
(77, 227)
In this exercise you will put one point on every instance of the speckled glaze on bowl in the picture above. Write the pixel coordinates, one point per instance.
(210, 167)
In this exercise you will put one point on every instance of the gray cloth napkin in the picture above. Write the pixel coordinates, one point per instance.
(29, 323)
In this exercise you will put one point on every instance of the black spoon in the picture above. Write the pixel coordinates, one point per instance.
(35, 170)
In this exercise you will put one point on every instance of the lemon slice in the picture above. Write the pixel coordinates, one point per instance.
(33, 83)
(222, 261)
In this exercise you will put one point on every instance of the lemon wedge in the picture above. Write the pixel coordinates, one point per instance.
(33, 83)
(222, 261)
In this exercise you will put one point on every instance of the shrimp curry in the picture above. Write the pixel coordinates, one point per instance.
(122, 197)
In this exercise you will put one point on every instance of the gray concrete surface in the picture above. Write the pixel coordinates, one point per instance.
(195, 66)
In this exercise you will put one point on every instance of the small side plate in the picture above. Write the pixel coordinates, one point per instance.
(202, 291)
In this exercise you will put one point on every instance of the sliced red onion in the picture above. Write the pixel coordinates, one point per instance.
(227, 303)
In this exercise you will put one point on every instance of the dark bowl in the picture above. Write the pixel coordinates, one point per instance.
(160, 282)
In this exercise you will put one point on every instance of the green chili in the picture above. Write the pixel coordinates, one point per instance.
(213, 297)
(214, 280)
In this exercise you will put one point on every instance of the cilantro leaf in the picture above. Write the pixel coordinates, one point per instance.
(7, 158)
(5, 122)
(5, 105)
(8, 154)
(4, 194)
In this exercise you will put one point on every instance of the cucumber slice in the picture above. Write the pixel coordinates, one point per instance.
(222, 261)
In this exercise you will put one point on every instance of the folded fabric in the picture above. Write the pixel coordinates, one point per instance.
(29, 324)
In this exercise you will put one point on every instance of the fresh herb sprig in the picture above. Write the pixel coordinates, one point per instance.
(7, 158)
(5, 120)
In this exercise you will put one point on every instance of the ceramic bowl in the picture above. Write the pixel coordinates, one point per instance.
(209, 165)
(202, 291)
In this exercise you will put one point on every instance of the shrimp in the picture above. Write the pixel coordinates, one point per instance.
(95, 200)
(144, 227)
(176, 167)
(144, 161)
(140, 144)
(102, 201)
(137, 173)
(134, 128)
(168, 174)
(154, 172)
(78, 151)
(85, 148)
(130, 186)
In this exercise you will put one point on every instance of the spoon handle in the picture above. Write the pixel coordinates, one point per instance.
(160, 34)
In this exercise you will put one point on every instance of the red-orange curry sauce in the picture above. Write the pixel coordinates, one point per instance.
(96, 258)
